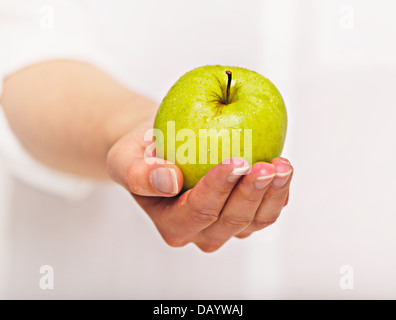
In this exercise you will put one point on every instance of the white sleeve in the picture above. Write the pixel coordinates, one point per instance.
(32, 31)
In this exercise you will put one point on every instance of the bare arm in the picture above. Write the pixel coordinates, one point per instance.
(68, 114)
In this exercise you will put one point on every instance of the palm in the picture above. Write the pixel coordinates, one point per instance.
(222, 204)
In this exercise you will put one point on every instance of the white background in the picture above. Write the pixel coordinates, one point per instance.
(341, 139)
(335, 64)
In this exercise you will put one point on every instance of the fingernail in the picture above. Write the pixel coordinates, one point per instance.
(165, 180)
(237, 173)
(263, 181)
(281, 178)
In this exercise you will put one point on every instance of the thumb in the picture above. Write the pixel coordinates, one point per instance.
(153, 179)
(140, 175)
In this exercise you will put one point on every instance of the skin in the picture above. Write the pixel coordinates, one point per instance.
(75, 118)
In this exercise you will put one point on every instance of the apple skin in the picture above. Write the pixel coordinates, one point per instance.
(193, 103)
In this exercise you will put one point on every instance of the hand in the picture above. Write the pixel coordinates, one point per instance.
(231, 200)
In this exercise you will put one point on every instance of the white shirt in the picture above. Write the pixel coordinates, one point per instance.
(96, 239)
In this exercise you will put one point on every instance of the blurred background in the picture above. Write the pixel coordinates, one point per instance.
(334, 63)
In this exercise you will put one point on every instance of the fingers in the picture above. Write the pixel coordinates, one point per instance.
(159, 180)
(274, 198)
(212, 191)
(199, 207)
(144, 176)
(240, 208)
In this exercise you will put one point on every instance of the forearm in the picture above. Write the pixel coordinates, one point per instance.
(68, 114)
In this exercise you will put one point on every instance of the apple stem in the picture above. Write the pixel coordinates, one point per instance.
(229, 74)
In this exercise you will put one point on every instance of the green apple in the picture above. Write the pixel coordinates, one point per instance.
(216, 112)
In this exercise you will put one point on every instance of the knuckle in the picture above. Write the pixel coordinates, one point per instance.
(174, 241)
(250, 198)
(130, 178)
(243, 235)
(262, 223)
(273, 196)
(204, 216)
(235, 222)
(208, 247)
(203, 213)
(220, 191)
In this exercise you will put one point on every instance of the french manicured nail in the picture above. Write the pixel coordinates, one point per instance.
(263, 181)
(281, 178)
(165, 180)
(237, 173)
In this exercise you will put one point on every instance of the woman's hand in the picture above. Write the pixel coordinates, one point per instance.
(231, 200)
